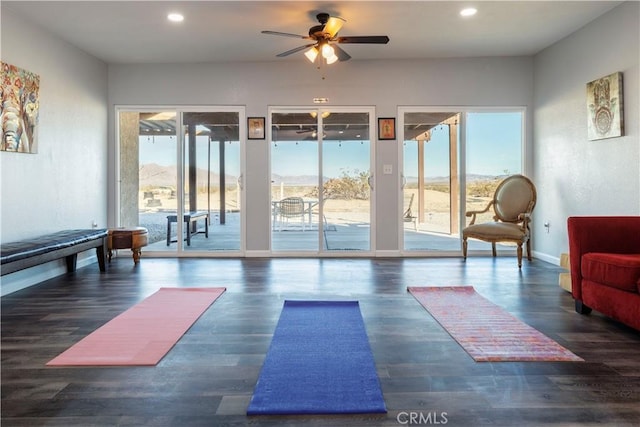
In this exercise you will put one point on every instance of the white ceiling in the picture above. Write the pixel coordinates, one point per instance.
(229, 31)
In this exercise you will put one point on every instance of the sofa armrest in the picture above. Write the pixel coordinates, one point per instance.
(612, 234)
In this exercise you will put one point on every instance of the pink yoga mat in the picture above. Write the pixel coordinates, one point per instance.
(143, 334)
(486, 331)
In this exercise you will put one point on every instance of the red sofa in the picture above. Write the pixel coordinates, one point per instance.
(604, 253)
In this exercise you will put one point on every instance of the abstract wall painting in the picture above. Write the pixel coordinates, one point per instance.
(605, 107)
(19, 109)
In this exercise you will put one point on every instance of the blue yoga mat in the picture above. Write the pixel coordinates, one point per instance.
(319, 362)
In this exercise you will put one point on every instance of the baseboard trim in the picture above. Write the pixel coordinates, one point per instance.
(23, 279)
(545, 257)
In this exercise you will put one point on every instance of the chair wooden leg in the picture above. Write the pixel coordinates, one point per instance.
(529, 250)
(520, 255)
(464, 248)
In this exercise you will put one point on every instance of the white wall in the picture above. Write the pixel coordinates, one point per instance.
(64, 185)
(576, 176)
(385, 85)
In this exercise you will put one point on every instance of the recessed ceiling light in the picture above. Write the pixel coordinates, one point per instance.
(469, 11)
(175, 17)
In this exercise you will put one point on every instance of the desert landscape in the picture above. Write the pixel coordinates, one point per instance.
(346, 198)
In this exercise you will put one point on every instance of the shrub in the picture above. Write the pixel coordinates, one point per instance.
(349, 186)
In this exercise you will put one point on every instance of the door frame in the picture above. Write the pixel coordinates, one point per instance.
(179, 252)
(462, 166)
(320, 250)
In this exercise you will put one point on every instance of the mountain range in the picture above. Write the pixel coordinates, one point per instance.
(152, 174)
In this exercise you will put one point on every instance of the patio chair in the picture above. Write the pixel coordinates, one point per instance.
(513, 202)
(290, 208)
(408, 216)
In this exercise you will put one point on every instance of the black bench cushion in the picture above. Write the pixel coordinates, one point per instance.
(14, 251)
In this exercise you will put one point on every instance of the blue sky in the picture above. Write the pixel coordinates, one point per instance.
(493, 141)
(493, 146)
(162, 150)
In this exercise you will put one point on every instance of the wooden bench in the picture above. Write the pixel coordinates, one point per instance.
(66, 244)
(189, 218)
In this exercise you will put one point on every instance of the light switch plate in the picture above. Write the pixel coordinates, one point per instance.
(387, 169)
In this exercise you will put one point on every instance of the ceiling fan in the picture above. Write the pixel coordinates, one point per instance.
(325, 40)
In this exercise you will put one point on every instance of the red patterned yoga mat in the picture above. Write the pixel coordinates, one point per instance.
(143, 334)
(486, 331)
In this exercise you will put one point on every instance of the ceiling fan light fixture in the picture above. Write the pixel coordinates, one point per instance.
(327, 51)
(333, 25)
(312, 54)
(330, 60)
(325, 40)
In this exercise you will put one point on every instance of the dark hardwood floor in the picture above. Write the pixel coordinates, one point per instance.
(207, 379)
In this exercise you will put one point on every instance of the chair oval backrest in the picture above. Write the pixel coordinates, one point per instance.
(515, 195)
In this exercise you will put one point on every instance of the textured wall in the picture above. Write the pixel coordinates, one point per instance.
(64, 184)
(576, 176)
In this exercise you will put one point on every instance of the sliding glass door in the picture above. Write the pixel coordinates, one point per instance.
(211, 180)
(180, 177)
(434, 175)
(321, 198)
(430, 191)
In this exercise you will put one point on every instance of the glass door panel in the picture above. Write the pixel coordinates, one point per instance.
(294, 181)
(320, 161)
(430, 186)
(346, 194)
(494, 151)
(211, 177)
(148, 172)
(149, 182)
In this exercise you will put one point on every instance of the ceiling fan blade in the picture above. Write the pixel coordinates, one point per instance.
(294, 50)
(333, 25)
(278, 33)
(363, 39)
(340, 53)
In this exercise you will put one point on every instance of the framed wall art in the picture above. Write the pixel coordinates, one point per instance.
(386, 128)
(605, 107)
(19, 109)
(255, 126)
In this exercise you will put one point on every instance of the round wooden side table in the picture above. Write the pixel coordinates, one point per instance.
(133, 238)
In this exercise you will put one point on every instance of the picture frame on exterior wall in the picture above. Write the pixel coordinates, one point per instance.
(386, 128)
(255, 126)
(19, 107)
(605, 107)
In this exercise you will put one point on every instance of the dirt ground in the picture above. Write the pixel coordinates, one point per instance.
(436, 216)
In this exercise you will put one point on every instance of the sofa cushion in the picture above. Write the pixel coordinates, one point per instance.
(620, 271)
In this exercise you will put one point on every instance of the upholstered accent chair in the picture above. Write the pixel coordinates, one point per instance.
(512, 203)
